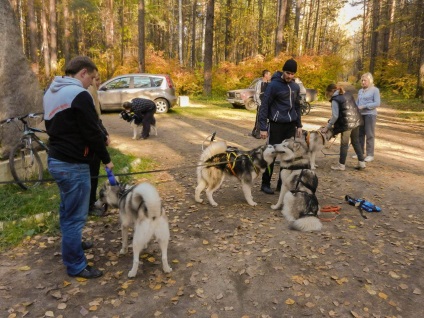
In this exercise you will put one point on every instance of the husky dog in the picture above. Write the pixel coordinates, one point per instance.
(135, 125)
(316, 140)
(218, 160)
(139, 205)
(297, 194)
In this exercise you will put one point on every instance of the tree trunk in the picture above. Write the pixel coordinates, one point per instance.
(280, 26)
(46, 51)
(207, 71)
(20, 92)
(193, 35)
(32, 36)
(260, 31)
(180, 32)
(67, 32)
(228, 39)
(141, 37)
(374, 34)
(53, 36)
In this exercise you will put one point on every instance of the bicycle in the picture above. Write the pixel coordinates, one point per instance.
(24, 161)
(305, 107)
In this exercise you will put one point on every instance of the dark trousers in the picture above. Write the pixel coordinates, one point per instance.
(277, 132)
(148, 119)
(256, 132)
(94, 173)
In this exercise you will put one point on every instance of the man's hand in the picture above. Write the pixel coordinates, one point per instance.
(324, 129)
(264, 134)
(298, 132)
(109, 165)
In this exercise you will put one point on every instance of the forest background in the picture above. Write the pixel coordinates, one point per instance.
(211, 46)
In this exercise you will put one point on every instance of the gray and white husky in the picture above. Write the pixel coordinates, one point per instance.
(218, 161)
(297, 195)
(140, 206)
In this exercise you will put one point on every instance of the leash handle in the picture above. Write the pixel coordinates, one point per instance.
(111, 177)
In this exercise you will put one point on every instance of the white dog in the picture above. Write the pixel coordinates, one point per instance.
(141, 206)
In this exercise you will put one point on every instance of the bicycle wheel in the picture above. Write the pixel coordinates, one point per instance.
(305, 108)
(25, 165)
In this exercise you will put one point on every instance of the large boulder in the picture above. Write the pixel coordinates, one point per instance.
(20, 91)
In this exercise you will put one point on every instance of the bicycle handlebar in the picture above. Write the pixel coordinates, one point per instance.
(21, 118)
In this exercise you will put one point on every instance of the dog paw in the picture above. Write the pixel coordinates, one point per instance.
(253, 203)
(275, 206)
(214, 204)
(132, 274)
(134, 138)
(199, 200)
(167, 269)
(123, 251)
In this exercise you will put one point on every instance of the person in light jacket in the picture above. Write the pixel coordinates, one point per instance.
(368, 101)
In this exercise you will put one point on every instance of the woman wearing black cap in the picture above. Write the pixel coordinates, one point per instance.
(279, 114)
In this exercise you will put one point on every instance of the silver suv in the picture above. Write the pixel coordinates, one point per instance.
(120, 89)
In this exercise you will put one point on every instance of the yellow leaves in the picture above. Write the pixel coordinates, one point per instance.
(175, 261)
(24, 268)
(340, 281)
(66, 283)
(205, 242)
(297, 279)
(290, 301)
(382, 295)
(151, 259)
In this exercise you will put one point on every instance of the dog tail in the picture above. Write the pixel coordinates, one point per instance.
(306, 224)
(212, 150)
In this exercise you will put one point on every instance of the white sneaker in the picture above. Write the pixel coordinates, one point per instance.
(361, 165)
(339, 166)
(369, 158)
(355, 157)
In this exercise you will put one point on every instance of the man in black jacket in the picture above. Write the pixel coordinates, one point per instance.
(74, 137)
(279, 114)
(144, 113)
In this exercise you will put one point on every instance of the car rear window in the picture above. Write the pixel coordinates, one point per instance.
(157, 81)
(142, 82)
(123, 82)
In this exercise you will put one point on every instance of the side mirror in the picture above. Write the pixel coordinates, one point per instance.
(103, 88)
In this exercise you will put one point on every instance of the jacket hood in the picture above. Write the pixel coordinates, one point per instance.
(60, 82)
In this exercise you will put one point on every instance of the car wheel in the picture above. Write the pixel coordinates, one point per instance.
(162, 105)
(250, 104)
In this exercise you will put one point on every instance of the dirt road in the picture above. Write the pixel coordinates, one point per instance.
(242, 261)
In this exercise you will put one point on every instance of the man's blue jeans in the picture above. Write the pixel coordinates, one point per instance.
(73, 180)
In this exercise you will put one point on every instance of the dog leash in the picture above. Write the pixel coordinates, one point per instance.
(330, 209)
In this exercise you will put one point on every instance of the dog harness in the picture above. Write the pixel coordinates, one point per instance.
(308, 136)
(311, 197)
(232, 159)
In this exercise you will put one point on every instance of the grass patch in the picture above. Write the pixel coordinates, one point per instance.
(29, 212)
(411, 109)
